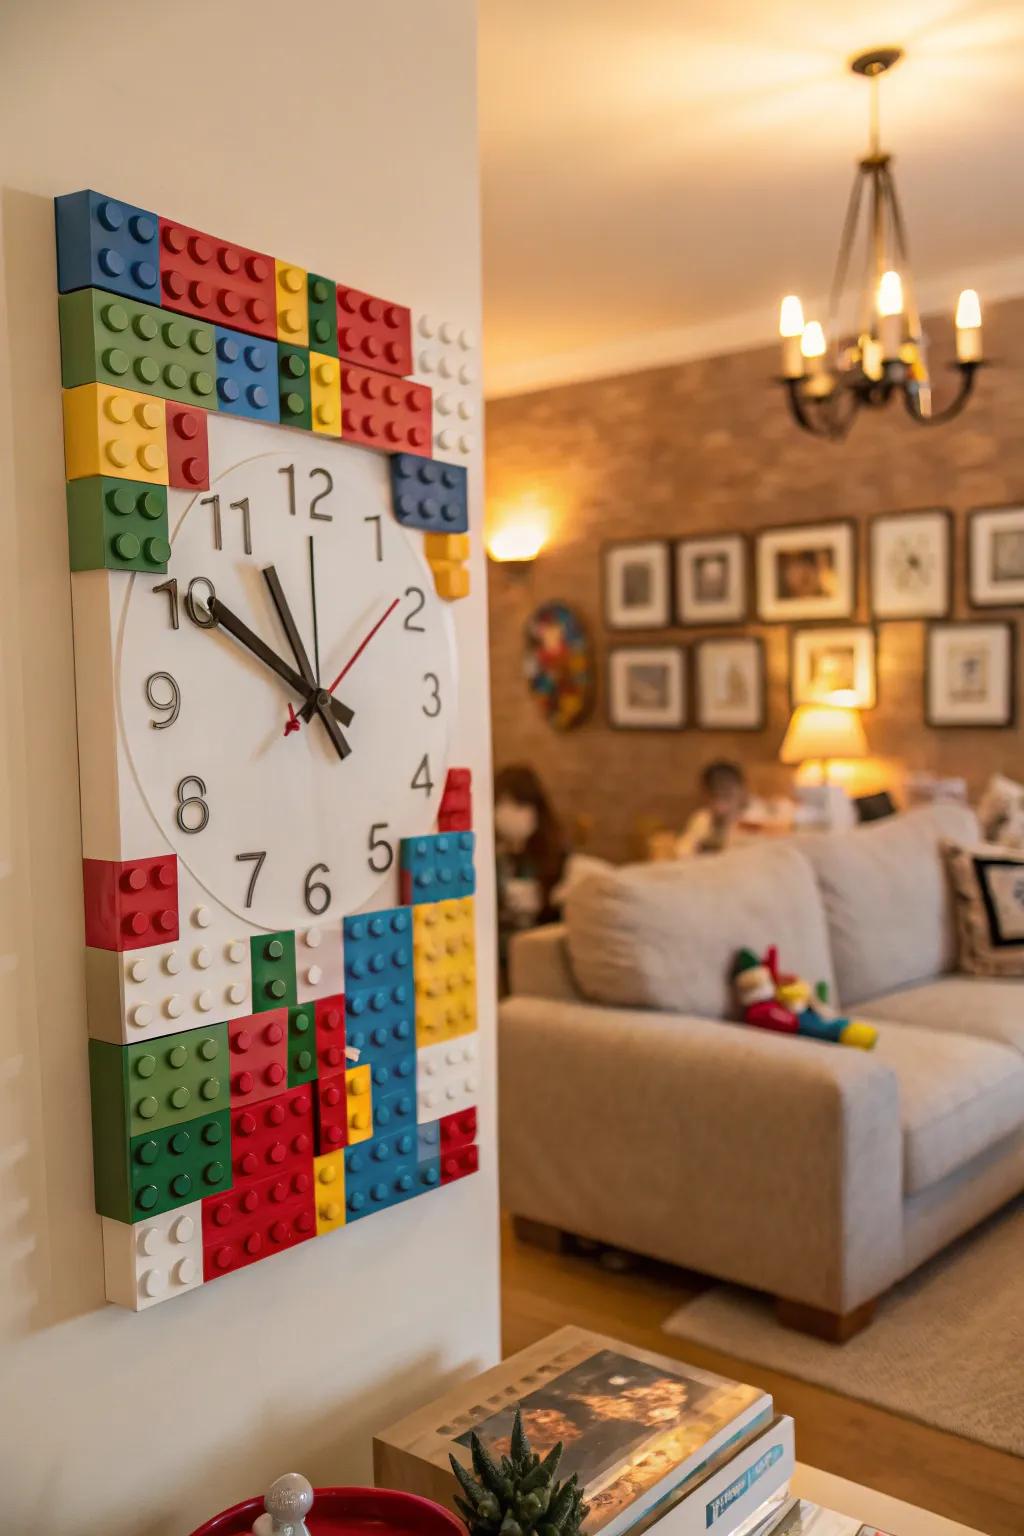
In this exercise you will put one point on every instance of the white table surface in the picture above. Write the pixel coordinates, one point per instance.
(864, 1504)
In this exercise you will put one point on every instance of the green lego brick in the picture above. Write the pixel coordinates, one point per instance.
(293, 369)
(105, 339)
(302, 1066)
(323, 315)
(161, 1082)
(163, 1169)
(117, 525)
(274, 983)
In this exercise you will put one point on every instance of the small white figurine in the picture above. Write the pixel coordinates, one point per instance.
(287, 1502)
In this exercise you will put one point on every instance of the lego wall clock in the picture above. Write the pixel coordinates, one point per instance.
(265, 542)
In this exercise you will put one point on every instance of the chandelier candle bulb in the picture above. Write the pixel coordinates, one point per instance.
(890, 314)
(791, 329)
(968, 327)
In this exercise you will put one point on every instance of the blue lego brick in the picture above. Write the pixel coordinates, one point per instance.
(394, 1106)
(102, 243)
(247, 375)
(380, 996)
(428, 1141)
(437, 868)
(385, 1171)
(429, 495)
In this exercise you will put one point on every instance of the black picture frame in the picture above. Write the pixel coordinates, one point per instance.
(611, 547)
(670, 648)
(806, 629)
(945, 626)
(742, 616)
(974, 515)
(852, 526)
(877, 518)
(696, 649)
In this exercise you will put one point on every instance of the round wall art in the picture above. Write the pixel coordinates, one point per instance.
(559, 665)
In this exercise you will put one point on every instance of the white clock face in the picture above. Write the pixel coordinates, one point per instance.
(284, 827)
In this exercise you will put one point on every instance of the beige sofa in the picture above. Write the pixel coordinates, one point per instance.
(632, 1113)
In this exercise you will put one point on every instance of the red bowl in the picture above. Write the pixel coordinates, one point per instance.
(349, 1512)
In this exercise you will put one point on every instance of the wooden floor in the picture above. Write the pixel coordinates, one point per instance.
(957, 1478)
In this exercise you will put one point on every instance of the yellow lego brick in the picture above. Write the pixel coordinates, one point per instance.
(329, 1191)
(444, 970)
(292, 287)
(450, 581)
(111, 431)
(453, 547)
(359, 1103)
(325, 393)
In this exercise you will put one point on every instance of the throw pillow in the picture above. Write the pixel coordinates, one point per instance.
(1001, 812)
(988, 886)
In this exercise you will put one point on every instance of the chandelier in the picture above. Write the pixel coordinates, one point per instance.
(830, 375)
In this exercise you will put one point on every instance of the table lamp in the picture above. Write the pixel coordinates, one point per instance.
(822, 733)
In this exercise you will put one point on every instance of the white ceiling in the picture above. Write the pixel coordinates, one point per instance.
(657, 173)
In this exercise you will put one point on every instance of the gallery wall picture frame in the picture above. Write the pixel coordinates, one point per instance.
(636, 577)
(647, 688)
(806, 572)
(970, 674)
(995, 556)
(910, 564)
(829, 660)
(712, 579)
(729, 683)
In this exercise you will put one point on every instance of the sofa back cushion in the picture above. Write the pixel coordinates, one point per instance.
(888, 900)
(665, 935)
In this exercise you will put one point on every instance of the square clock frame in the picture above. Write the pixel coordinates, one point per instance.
(268, 523)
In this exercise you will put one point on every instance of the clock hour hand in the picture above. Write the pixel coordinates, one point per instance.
(305, 713)
(224, 617)
(318, 698)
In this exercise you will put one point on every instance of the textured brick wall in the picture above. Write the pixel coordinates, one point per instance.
(707, 446)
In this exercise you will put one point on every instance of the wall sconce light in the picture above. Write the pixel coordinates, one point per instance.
(517, 538)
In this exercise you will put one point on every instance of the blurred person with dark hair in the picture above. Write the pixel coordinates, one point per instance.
(530, 850)
(730, 813)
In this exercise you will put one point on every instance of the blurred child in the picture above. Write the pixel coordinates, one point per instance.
(730, 813)
(530, 851)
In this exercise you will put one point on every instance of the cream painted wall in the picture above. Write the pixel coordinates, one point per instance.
(342, 135)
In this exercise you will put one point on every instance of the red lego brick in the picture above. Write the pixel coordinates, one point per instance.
(374, 332)
(188, 453)
(332, 1114)
(272, 1136)
(132, 904)
(383, 412)
(259, 1056)
(221, 283)
(456, 1165)
(456, 809)
(256, 1220)
(457, 1131)
(330, 1035)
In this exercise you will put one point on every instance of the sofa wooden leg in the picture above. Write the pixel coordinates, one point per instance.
(540, 1235)
(833, 1327)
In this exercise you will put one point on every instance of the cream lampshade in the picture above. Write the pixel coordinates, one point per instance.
(823, 732)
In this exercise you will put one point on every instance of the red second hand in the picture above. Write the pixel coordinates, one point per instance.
(294, 723)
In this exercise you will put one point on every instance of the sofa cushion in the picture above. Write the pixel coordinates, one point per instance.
(665, 935)
(988, 890)
(887, 899)
(966, 1005)
(958, 1097)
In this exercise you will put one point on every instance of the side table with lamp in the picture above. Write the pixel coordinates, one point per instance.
(823, 733)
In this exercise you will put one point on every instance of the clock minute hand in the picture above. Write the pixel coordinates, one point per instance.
(224, 617)
(317, 696)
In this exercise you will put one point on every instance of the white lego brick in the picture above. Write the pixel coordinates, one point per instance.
(447, 1078)
(155, 1259)
(447, 359)
(319, 962)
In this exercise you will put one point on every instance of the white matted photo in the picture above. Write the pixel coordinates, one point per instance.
(995, 557)
(834, 665)
(638, 585)
(647, 688)
(807, 572)
(711, 579)
(969, 674)
(911, 565)
(729, 684)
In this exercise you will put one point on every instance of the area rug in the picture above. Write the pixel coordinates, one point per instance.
(946, 1346)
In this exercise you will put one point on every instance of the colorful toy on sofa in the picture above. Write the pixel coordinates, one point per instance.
(772, 999)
